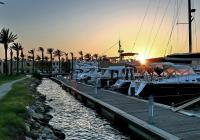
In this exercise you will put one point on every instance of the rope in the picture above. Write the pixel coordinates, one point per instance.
(176, 16)
(185, 101)
(152, 26)
(109, 48)
(140, 28)
(165, 11)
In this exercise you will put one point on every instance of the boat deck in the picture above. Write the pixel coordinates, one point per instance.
(173, 125)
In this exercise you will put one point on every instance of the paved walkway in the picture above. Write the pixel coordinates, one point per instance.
(5, 88)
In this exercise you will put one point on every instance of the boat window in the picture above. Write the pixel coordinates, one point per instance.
(198, 79)
(126, 84)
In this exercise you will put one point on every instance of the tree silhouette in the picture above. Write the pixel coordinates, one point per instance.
(95, 56)
(32, 52)
(50, 51)
(66, 63)
(87, 56)
(22, 56)
(11, 61)
(41, 49)
(81, 54)
(58, 53)
(17, 47)
(6, 37)
(37, 58)
(46, 59)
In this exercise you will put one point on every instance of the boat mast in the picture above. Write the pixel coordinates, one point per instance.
(190, 26)
(120, 51)
(190, 19)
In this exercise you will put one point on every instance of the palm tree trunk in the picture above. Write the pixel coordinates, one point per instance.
(17, 62)
(33, 62)
(6, 57)
(11, 62)
(59, 64)
(72, 67)
(51, 63)
(22, 65)
(42, 62)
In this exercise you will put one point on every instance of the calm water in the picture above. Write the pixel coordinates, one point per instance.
(77, 121)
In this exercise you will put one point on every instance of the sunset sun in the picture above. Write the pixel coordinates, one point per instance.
(142, 59)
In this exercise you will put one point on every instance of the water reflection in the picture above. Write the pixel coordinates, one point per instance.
(76, 120)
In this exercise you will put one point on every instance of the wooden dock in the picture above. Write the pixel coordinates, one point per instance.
(132, 113)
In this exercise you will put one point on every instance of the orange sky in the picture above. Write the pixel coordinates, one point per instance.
(93, 26)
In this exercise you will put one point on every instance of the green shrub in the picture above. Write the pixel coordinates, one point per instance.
(37, 75)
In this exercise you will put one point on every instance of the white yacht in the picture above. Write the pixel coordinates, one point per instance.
(168, 83)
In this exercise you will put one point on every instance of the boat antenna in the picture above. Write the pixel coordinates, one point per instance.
(120, 51)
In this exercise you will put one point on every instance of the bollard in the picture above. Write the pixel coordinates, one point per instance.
(108, 83)
(151, 110)
(96, 87)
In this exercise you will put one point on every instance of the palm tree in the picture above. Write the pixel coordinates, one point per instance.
(72, 62)
(87, 56)
(58, 53)
(32, 52)
(11, 61)
(38, 58)
(6, 37)
(66, 56)
(95, 56)
(22, 56)
(17, 47)
(81, 54)
(42, 55)
(50, 51)
(67, 63)
(46, 58)
(29, 57)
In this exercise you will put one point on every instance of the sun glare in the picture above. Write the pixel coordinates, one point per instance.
(142, 59)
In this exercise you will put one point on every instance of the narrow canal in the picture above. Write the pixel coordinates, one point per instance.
(76, 120)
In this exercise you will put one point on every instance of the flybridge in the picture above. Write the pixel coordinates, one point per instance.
(190, 58)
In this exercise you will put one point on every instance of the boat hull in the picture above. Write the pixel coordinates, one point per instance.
(176, 94)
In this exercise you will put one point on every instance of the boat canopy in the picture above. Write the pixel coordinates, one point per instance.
(170, 68)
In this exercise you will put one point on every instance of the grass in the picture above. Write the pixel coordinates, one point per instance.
(13, 111)
(5, 79)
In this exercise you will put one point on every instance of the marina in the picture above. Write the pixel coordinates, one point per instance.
(100, 70)
(133, 113)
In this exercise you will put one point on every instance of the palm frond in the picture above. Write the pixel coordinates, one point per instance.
(6, 36)
(50, 50)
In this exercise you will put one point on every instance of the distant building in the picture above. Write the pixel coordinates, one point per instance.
(55, 67)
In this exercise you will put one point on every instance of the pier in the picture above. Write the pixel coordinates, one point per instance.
(132, 114)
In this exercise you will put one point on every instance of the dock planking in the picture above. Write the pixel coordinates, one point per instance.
(173, 123)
